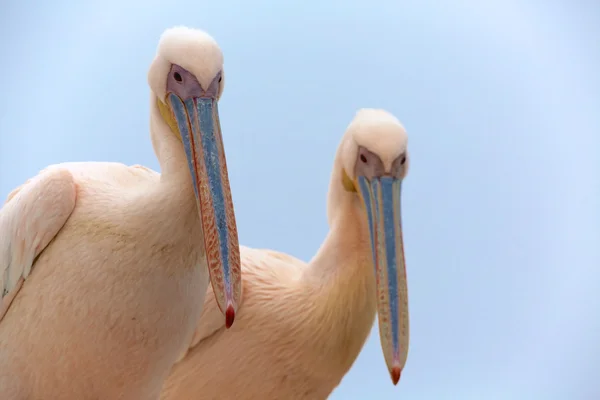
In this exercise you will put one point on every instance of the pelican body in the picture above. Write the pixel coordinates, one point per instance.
(104, 267)
(301, 326)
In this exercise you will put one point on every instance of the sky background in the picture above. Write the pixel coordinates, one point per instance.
(501, 100)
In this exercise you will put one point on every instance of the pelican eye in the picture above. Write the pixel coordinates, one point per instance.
(363, 158)
(177, 77)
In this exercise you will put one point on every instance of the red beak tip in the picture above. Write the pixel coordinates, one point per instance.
(395, 375)
(229, 316)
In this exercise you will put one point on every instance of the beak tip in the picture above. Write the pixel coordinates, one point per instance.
(395, 374)
(229, 316)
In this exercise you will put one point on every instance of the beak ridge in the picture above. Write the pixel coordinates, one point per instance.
(381, 196)
(199, 125)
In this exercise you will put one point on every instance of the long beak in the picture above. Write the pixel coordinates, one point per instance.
(198, 122)
(382, 196)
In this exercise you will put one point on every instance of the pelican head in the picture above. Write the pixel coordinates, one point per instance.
(186, 77)
(375, 162)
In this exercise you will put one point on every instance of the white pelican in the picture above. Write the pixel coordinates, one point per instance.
(301, 326)
(103, 266)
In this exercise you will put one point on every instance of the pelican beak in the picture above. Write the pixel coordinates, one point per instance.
(381, 196)
(197, 119)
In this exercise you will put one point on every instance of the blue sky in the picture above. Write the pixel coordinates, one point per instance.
(501, 100)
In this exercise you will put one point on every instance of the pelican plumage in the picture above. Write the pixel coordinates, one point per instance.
(301, 326)
(104, 267)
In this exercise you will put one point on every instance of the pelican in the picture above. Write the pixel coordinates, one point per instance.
(104, 267)
(301, 326)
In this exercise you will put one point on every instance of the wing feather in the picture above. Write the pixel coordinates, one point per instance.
(31, 217)
(260, 267)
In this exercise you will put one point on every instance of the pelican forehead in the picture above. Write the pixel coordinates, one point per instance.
(379, 132)
(192, 49)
